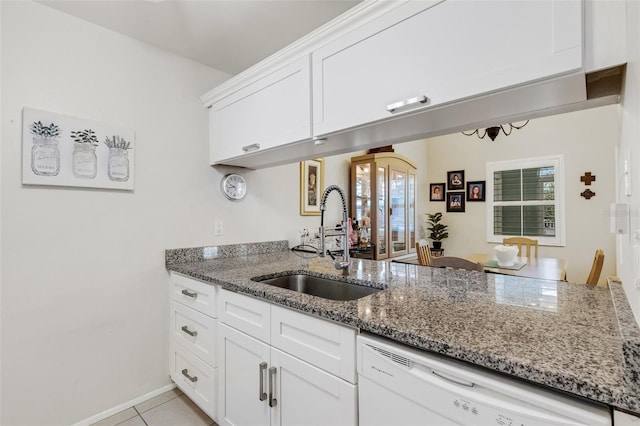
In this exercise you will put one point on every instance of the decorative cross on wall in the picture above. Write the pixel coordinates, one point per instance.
(588, 178)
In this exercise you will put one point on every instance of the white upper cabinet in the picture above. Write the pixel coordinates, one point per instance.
(424, 54)
(272, 110)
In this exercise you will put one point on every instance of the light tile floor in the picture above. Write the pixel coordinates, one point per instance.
(171, 408)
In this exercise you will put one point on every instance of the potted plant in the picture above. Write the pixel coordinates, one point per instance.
(437, 230)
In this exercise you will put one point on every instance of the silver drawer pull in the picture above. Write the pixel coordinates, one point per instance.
(193, 379)
(189, 332)
(252, 147)
(189, 293)
(272, 378)
(406, 103)
(262, 395)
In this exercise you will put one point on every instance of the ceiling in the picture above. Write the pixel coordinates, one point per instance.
(228, 35)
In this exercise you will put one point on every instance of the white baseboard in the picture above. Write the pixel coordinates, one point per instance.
(121, 407)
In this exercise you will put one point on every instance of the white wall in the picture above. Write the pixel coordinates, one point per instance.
(84, 290)
(586, 138)
(628, 263)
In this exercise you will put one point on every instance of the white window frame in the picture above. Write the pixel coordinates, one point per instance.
(557, 161)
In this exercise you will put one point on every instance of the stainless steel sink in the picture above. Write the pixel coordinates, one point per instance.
(321, 287)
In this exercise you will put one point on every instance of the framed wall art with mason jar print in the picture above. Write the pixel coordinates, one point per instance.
(61, 150)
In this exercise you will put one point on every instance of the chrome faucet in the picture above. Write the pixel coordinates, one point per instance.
(343, 264)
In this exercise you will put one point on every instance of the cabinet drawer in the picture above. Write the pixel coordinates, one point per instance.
(194, 331)
(319, 342)
(196, 379)
(246, 314)
(195, 294)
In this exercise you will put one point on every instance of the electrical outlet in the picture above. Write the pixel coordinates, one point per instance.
(219, 229)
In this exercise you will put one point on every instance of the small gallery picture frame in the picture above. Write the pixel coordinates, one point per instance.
(436, 191)
(311, 186)
(455, 202)
(455, 180)
(475, 190)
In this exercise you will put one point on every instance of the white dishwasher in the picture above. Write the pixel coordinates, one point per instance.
(399, 385)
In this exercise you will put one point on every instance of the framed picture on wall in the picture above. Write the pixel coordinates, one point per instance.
(455, 202)
(311, 186)
(475, 190)
(67, 151)
(455, 180)
(436, 192)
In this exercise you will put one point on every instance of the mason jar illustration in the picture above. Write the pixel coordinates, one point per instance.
(84, 160)
(118, 165)
(45, 155)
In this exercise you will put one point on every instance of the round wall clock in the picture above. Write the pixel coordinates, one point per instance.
(234, 187)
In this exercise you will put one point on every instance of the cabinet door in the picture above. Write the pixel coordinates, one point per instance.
(274, 110)
(307, 395)
(243, 398)
(444, 52)
(398, 212)
(382, 219)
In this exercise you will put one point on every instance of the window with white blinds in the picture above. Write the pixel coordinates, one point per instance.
(526, 198)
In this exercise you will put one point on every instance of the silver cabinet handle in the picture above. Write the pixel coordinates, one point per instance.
(406, 103)
(262, 395)
(189, 293)
(272, 378)
(185, 373)
(252, 147)
(189, 332)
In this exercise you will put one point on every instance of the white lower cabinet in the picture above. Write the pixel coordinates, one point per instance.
(193, 340)
(307, 395)
(243, 379)
(260, 384)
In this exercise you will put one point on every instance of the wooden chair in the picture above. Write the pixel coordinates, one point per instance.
(596, 268)
(456, 263)
(522, 242)
(424, 254)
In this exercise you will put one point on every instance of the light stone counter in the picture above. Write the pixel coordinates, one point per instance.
(575, 338)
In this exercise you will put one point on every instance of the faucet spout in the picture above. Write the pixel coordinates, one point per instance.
(345, 263)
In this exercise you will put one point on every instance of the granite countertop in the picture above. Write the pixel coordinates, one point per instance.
(571, 337)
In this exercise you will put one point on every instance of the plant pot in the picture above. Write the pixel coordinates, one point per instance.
(437, 245)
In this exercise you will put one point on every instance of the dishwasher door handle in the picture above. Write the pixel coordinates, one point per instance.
(453, 379)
